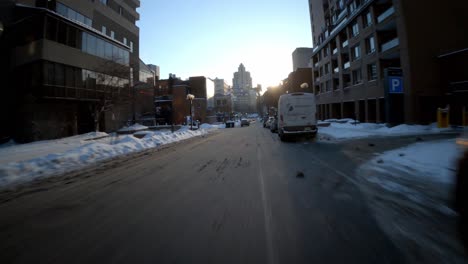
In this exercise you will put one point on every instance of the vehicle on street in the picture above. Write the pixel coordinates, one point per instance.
(268, 122)
(296, 112)
(245, 122)
(274, 125)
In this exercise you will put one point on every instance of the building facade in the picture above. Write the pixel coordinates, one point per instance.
(244, 96)
(301, 58)
(377, 60)
(70, 66)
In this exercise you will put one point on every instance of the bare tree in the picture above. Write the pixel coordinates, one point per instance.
(112, 89)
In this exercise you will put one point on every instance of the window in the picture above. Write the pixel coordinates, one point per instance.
(112, 35)
(356, 52)
(103, 2)
(352, 6)
(62, 33)
(357, 76)
(368, 19)
(355, 29)
(372, 71)
(131, 46)
(327, 68)
(370, 45)
(104, 30)
(125, 41)
(120, 10)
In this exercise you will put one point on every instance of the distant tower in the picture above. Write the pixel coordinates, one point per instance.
(242, 79)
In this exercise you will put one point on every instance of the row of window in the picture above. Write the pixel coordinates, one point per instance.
(69, 35)
(57, 74)
(77, 16)
(73, 15)
(356, 78)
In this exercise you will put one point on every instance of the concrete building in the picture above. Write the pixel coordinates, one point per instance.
(242, 90)
(302, 58)
(156, 70)
(221, 87)
(144, 91)
(63, 61)
(377, 59)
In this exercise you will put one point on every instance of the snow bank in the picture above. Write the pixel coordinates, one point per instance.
(349, 130)
(212, 126)
(135, 127)
(79, 153)
(429, 161)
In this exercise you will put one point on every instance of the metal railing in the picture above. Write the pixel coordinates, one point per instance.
(390, 44)
(386, 14)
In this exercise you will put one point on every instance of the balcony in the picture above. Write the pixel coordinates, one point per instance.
(390, 44)
(346, 65)
(345, 44)
(386, 14)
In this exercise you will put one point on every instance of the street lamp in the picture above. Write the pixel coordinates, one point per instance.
(190, 97)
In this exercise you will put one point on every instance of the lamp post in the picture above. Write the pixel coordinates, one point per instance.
(190, 97)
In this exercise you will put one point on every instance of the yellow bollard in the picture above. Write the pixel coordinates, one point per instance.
(443, 117)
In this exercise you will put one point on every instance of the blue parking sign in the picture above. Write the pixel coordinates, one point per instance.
(395, 84)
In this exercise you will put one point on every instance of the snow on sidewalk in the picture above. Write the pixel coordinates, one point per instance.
(345, 129)
(20, 163)
(422, 172)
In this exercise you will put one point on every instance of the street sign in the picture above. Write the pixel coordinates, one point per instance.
(395, 84)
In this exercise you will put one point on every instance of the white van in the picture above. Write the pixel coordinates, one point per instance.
(296, 115)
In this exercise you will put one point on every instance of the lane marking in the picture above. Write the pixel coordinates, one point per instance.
(266, 211)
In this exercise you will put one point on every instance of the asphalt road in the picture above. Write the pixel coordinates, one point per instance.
(230, 197)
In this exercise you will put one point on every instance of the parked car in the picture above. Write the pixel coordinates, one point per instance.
(274, 125)
(296, 113)
(245, 122)
(268, 122)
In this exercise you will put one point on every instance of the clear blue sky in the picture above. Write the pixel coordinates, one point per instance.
(212, 37)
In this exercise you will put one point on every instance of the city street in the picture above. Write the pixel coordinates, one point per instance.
(235, 196)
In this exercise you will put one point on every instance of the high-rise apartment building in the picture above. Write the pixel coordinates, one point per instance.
(64, 61)
(377, 59)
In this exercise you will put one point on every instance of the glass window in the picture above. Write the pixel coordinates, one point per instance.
(125, 41)
(115, 53)
(71, 14)
(356, 52)
(84, 42)
(78, 78)
(104, 30)
(357, 76)
(131, 46)
(88, 21)
(370, 44)
(49, 73)
(355, 29)
(59, 74)
(108, 51)
(62, 10)
(62, 33)
(103, 2)
(121, 56)
(72, 35)
(112, 35)
(92, 45)
(100, 48)
(368, 19)
(69, 77)
(126, 58)
(80, 18)
(372, 71)
(51, 28)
